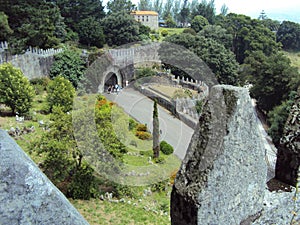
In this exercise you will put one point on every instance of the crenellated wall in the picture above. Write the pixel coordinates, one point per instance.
(33, 63)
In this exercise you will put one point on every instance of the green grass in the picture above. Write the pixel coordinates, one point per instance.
(294, 57)
(102, 212)
(171, 31)
(144, 210)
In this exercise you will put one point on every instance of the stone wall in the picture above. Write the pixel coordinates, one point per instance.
(27, 196)
(222, 178)
(34, 63)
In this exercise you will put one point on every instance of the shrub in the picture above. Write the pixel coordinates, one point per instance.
(70, 65)
(83, 185)
(164, 33)
(132, 124)
(141, 127)
(189, 31)
(143, 135)
(166, 148)
(122, 191)
(15, 89)
(60, 93)
(160, 186)
(43, 81)
(198, 106)
(147, 153)
(144, 72)
(159, 160)
(188, 92)
(40, 84)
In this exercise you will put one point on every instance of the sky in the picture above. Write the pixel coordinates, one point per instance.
(274, 9)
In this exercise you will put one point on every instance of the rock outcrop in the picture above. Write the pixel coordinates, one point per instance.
(288, 159)
(222, 179)
(27, 196)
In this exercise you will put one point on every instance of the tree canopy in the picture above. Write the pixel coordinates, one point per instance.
(120, 28)
(288, 35)
(198, 23)
(219, 59)
(15, 89)
(5, 29)
(70, 65)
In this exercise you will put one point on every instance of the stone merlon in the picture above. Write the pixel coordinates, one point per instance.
(222, 179)
(27, 196)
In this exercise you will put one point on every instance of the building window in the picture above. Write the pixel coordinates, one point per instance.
(147, 18)
(143, 19)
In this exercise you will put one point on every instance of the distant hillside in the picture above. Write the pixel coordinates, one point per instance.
(294, 57)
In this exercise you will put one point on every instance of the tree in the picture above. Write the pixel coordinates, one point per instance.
(271, 77)
(273, 25)
(224, 10)
(205, 9)
(289, 35)
(219, 59)
(145, 5)
(91, 32)
(170, 22)
(15, 89)
(117, 6)
(70, 65)
(60, 93)
(277, 118)
(156, 145)
(184, 16)
(248, 36)
(5, 30)
(176, 10)
(120, 28)
(167, 9)
(217, 33)
(157, 6)
(198, 23)
(34, 23)
(263, 15)
(64, 163)
(75, 11)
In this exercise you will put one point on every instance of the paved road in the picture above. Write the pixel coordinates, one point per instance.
(140, 107)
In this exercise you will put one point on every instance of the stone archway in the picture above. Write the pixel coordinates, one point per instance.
(111, 77)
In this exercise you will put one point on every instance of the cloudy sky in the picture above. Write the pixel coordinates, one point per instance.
(274, 9)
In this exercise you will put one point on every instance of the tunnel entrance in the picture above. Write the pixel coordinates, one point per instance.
(110, 81)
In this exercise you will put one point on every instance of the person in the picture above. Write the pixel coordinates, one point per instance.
(109, 89)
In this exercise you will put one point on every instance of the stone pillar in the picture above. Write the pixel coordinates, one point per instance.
(223, 176)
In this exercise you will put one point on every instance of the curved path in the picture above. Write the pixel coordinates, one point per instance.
(173, 130)
(140, 107)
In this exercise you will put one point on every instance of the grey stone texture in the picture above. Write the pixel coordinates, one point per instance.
(27, 196)
(222, 179)
(288, 159)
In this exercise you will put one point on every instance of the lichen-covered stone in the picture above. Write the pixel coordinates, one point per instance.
(27, 196)
(288, 159)
(222, 178)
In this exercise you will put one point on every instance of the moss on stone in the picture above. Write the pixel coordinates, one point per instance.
(230, 101)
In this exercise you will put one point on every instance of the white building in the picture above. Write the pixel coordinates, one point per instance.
(147, 18)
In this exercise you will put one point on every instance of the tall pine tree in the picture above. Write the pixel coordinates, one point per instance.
(156, 147)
